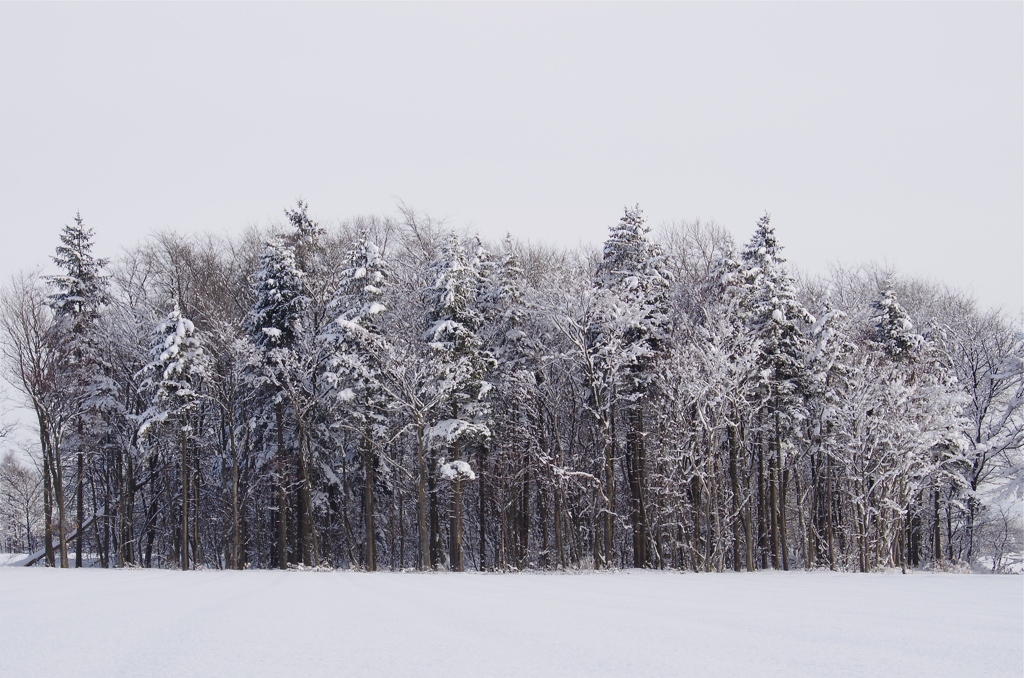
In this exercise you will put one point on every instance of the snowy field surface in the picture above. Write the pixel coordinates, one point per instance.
(102, 623)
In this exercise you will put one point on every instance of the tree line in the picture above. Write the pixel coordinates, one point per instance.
(390, 393)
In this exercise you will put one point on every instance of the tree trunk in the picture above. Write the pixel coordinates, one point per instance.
(738, 529)
(303, 512)
(151, 514)
(368, 504)
(456, 536)
(197, 556)
(62, 534)
(184, 499)
(436, 550)
(762, 509)
(773, 508)
(47, 502)
(542, 510)
(235, 540)
(282, 498)
(828, 514)
(783, 519)
(635, 463)
(482, 518)
(421, 501)
(609, 497)
(80, 505)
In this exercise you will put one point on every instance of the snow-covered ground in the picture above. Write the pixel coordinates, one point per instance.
(8, 558)
(102, 623)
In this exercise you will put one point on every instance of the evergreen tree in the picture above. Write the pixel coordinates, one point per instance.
(633, 270)
(78, 295)
(275, 321)
(357, 365)
(173, 377)
(459, 363)
(771, 309)
(81, 291)
(276, 324)
(513, 414)
(894, 331)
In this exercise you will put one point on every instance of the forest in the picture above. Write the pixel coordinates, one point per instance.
(389, 393)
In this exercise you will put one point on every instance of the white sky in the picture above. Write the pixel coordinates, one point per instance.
(870, 131)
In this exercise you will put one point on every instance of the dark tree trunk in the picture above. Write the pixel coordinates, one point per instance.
(635, 465)
(47, 506)
(421, 502)
(80, 505)
(282, 493)
(738, 529)
(369, 474)
(183, 555)
(481, 508)
(435, 518)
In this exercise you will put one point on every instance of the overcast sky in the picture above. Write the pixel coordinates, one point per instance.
(869, 131)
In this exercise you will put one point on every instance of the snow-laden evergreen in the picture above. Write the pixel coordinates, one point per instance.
(458, 358)
(277, 314)
(176, 369)
(893, 327)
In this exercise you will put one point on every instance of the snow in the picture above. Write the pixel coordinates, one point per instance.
(8, 558)
(448, 431)
(102, 623)
(457, 470)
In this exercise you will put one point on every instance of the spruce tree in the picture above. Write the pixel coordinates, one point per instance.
(772, 311)
(894, 331)
(173, 377)
(78, 295)
(275, 321)
(459, 364)
(275, 324)
(632, 269)
(356, 367)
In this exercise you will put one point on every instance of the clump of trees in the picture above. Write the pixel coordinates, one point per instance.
(389, 393)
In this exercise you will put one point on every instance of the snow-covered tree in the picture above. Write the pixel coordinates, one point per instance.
(771, 309)
(276, 323)
(984, 355)
(459, 363)
(174, 376)
(356, 368)
(633, 270)
(276, 318)
(741, 434)
(77, 296)
(894, 330)
(81, 290)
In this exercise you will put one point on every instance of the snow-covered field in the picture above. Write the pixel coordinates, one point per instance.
(102, 623)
